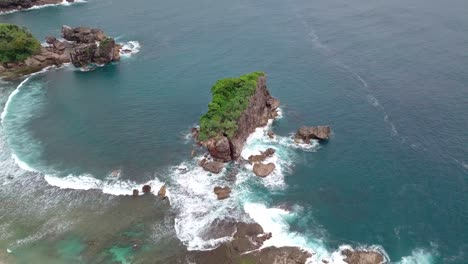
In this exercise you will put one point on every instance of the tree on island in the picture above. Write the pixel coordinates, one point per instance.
(16, 43)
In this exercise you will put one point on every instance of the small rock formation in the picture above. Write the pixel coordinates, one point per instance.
(92, 46)
(82, 47)
(213, 166)
(162, 192)
(135, 193)
(146, 189)
(263, 155)
(245, 248)
(262, 106)
(362, 257)
(263, 170)
(307, 133)
(222, 192)
(271, 134)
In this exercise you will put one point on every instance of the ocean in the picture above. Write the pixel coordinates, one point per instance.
(390, 78)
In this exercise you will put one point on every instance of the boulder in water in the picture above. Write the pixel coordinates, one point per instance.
(362, 257)
(146, 189)
(318, 132)
(213, 166)
(162, 192)
(222, 192)
(263, 155)
(135, 193)
(263, 170)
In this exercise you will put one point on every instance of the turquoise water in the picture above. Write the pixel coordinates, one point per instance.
(389, 77)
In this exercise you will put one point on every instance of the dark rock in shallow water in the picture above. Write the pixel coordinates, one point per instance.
(263, 155)
(244, 248)
(146, 189)
(135, 192)
(263, 170)
(319, 132)
(222, 192)
(362, 257)
(213, 166)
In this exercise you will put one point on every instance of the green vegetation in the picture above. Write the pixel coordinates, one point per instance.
(16, 43)
(106, 42)
(230, 98)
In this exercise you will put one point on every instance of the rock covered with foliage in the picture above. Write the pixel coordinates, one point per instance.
(21, 53)
(238, 107)
(16, 43)
(12, 5)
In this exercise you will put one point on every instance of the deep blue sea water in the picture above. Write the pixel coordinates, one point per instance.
(390, 77)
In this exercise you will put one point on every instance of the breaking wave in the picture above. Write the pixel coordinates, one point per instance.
(63, 3)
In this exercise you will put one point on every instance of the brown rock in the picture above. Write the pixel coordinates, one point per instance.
(162, 192)
(318, 132)
(222, 192)
(271, 134)
(146, 189)
(263, 155)
(59, 45)
(362, 257)
(202, 162)
(219, 149)
(263, 170)
(213, 166)
(50, 39)
(136, 192)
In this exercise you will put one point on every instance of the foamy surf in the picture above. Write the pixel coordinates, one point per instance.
(63, 3)
(108, 186)
(129, 48)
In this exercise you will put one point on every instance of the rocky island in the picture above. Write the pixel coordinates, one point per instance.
(17, 5)
(239, 106)
(22, 54)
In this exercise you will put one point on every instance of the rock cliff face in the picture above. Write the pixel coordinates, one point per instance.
(81, 46)
(262, 106)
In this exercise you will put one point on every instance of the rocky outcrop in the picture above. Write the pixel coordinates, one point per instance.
(212, 166)
(263, 155)
(162, 192)
(263, 170)
(262, 106)
(222, 192)
(245, 248)
(362, 257)
(146, 189)
(12, 5)
(318, 132)
(82, 47)
(135, 193)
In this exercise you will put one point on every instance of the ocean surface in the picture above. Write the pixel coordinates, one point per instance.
(389, 77)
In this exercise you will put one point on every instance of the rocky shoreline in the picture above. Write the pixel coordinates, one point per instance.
(83, 47)
(8, 6)
(246, 245)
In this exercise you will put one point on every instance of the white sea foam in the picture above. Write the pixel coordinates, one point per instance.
(5, 109)
(129, 48)
(197, 206)
(109, 186)
(418, 256)
(63, 3)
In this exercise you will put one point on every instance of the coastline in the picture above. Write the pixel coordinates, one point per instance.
(281, 236)
(40, 4)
